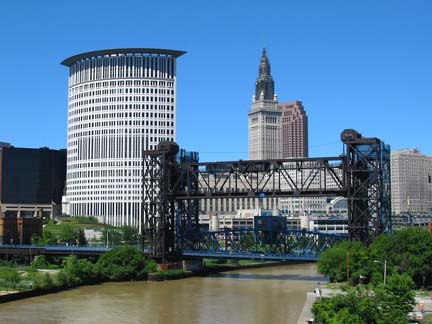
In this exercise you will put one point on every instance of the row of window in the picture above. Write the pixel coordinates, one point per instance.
(114, 213)
(86, 94)
(102, 197)
(88, 179)
(271, 120)
(114, 123)
(116, 131)
(117, 107)
(122, 67)
(122, 147)
(232, 205)
(121, 83)
(103, 164)
(87, 102)
(106, 173)
(118, 115)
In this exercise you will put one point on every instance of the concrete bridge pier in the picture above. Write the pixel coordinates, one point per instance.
(192, 265)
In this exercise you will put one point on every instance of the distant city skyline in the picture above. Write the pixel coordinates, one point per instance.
(362, 65)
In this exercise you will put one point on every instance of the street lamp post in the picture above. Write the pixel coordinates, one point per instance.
(347, 268)
(107, 235)
(385, 269)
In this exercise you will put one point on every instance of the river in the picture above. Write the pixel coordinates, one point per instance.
(272, 295)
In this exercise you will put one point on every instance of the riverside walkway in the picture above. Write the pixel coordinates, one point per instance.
(306, 315)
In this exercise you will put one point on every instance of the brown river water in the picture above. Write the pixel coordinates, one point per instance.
(272, 295)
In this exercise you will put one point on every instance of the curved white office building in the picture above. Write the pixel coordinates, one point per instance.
(121, 102)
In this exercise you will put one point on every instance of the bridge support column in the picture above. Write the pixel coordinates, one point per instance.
(192, 265)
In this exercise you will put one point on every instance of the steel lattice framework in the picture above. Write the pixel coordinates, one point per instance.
(158, 223)
(251, 243)
(368, 186)
(252, 179)
(173, 188)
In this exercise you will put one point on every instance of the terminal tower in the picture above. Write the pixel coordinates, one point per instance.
(264, 117)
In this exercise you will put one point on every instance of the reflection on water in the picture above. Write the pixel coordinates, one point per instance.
(267, 276)
(252, 296)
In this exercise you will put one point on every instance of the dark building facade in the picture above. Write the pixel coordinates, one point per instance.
(30, 179)
(19, 230)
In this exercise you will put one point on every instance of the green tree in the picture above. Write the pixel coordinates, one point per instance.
(67, 234)
(80, 237)
(39, 262)
(36, 239)
(122, 263)
(347, 258)
(76, 272)
(247, 241)
(86, 219)
(129, 235)
(151, 266)
(47, 238)
(327, 308)
(397, 294)
(344, 316)
(406, 251)
(384, 304)
(47, 282)
(9, 276)
(112, 236)
(68, 275)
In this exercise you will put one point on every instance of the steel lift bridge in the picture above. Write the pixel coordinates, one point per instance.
(173, 187)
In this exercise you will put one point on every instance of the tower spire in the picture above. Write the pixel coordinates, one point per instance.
(264, 68)
(264, 86)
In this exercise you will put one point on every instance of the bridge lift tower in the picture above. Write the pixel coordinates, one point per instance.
(367, 172)
(173, 186)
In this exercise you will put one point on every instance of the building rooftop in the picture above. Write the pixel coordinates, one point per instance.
(121, 51)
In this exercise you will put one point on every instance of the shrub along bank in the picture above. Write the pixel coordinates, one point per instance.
(120, 264)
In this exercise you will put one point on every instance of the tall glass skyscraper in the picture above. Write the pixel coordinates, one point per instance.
(121, 102)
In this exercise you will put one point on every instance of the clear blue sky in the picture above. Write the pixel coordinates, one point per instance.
(354, 64)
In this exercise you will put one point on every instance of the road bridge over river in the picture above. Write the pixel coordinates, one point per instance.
(294, 245)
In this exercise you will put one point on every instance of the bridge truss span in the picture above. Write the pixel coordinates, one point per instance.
(251, 179)
(288, 244)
